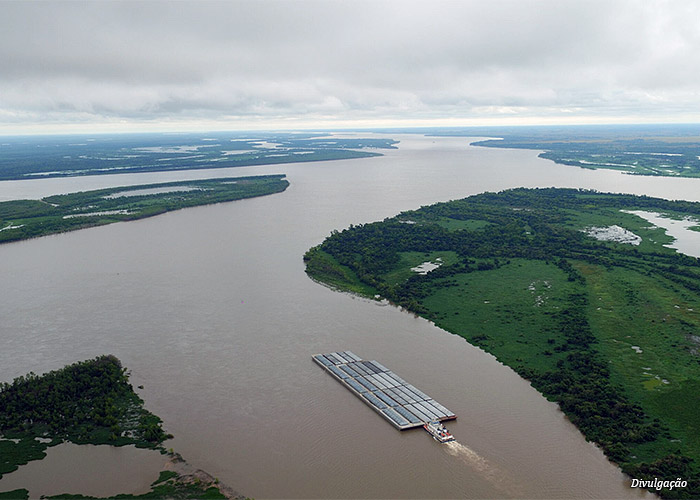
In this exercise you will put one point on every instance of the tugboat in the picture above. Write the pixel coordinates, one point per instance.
(438, 431)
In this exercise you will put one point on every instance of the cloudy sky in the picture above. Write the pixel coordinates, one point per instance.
(127, 65)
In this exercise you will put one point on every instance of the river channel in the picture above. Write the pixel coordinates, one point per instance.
(212, 312)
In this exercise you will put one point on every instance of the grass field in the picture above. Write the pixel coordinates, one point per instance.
(645, 327)
(508, 310)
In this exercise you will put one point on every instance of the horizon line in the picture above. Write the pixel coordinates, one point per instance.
(325, 128)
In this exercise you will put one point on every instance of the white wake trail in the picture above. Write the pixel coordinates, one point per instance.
(486, 469)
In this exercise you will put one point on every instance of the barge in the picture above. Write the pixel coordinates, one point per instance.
(400, 403)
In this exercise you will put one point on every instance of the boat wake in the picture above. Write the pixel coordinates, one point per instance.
(486, 469)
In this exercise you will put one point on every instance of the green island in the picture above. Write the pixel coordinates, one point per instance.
(669, 151)
(89, 402)
(569, 288)
(23, 219)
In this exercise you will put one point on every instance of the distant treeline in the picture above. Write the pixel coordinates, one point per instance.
(671, 150)
(32, 157)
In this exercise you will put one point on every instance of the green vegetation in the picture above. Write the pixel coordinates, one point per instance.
(672, 151)
(20, 494)
(606, 329)
(164, 476)
(324, 268)
(27, 157)
(89, 402)
(169, 485)
(660, 149)
(25, 219)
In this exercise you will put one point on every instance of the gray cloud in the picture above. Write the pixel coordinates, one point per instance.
(305, 62)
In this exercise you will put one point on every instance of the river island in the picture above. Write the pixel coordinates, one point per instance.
(23, 219)
(90, 402)
(573, 289)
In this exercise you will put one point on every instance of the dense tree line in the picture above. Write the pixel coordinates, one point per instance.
(523, 223)
(83, 402)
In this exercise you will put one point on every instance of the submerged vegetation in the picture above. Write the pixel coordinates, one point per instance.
(169, 485)
(89, 402)
(23, 219)
(605, 328)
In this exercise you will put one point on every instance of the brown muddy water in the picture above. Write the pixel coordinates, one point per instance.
(98, 470)
(212, 312)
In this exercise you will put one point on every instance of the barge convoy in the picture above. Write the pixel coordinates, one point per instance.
(400, 403)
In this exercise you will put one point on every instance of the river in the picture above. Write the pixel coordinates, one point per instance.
(212, 312)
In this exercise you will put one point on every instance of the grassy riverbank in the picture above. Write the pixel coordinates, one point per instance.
(23, 219)
(606, 329)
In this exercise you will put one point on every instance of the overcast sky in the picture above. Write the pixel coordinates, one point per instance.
(74, 66)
